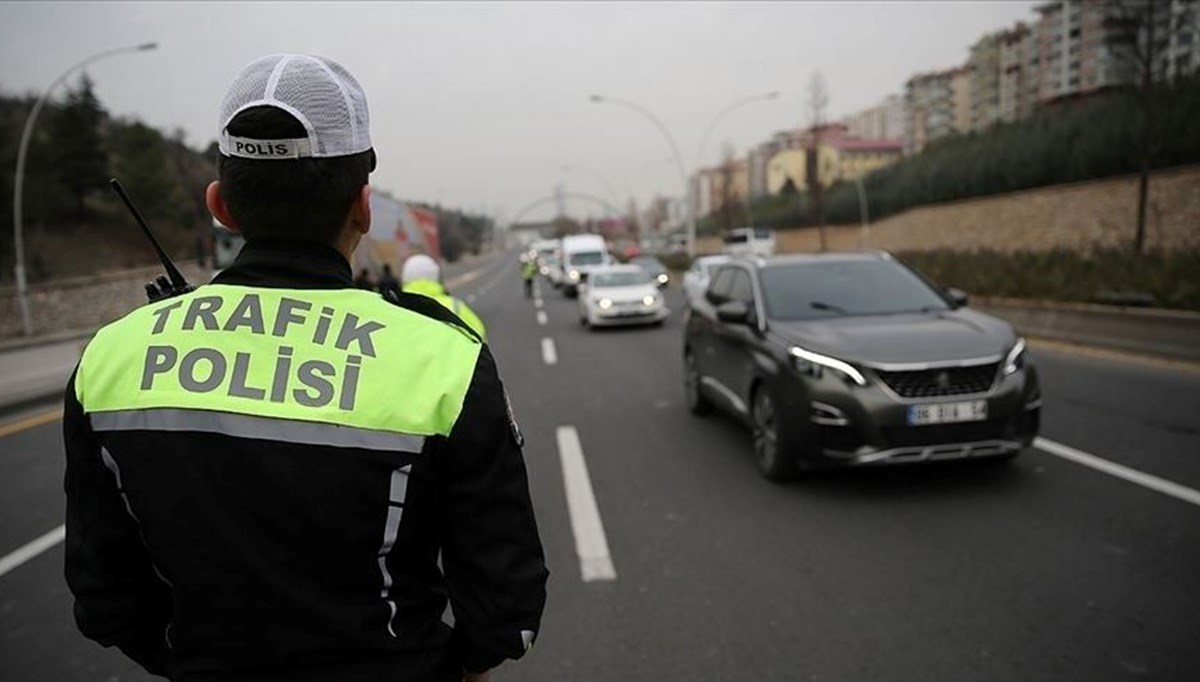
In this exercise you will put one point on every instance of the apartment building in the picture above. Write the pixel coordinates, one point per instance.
(884, 121)
(937, 104)
(984, 78)
(840, 157)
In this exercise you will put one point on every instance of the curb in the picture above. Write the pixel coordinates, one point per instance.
(44, 340)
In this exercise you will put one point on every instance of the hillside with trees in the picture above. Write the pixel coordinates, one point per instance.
(73, 223)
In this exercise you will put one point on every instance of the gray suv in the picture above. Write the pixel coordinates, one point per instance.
(854, 359)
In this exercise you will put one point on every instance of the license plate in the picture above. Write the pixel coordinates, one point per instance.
(947, 413)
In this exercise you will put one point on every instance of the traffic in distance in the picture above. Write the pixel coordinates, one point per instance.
(829, 360)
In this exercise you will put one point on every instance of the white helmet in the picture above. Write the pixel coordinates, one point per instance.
(418, 267)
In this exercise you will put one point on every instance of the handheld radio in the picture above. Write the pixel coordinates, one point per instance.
(163, 286)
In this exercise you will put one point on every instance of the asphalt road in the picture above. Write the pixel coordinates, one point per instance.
(1041, 570)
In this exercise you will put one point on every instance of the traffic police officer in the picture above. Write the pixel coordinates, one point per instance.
(261, 474)
(422, 275)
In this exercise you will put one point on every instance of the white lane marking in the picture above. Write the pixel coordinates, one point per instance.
(1145, 480)
(32, 549)
(501, 270)
(591, 545)
(465, 278)
(541, 317)
(537, 303)
(549, 352)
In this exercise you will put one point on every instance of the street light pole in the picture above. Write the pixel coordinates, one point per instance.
(689, 207)
(19, 180)
(725, 112)
(687, 187)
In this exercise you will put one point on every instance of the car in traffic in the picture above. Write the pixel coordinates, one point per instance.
(749, 241)
(696, 279)
(853, 359)
(654, 267)
(621, 295)
(552, 269)
(580, 254)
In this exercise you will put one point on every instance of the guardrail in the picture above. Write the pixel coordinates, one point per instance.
(1166, 333)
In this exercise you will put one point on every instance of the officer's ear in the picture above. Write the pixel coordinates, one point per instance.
(360, 211)
(217, 206)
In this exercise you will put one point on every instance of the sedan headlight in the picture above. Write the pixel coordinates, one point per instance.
(1016, 358)
(809, 362)
(574, 275)
(649, 300)
(604, 303)
(663, 278)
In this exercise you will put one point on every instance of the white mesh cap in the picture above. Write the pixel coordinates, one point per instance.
(319, 92)
(420, 266)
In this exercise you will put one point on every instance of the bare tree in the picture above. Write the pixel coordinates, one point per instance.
(817, 99)
(1145, 31)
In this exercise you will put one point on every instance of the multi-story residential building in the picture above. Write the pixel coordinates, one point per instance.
(984, 81)
(1080, 47)
(884, 121)
(1179, 24)
(1016, 72)
(840, 157)
(938, 104)
(1074, 48)
(757, 161)
(729, 184)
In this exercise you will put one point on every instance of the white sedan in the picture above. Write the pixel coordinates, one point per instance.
(695, 280)
(621, 294)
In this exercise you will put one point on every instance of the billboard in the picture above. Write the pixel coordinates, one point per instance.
(398, 230)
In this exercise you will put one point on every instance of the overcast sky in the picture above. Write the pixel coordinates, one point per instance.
(481, 105)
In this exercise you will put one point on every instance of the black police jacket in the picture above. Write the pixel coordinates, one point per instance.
(239, 554)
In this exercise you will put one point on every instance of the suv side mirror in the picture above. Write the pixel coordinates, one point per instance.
(957, 296)
(734, 312)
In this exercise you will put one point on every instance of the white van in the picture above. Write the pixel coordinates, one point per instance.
(580, 254)
(750, 241)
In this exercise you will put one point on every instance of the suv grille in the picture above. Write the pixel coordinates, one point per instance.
(909, 436)
(933, 383)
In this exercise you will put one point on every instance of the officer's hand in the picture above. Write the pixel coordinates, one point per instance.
(484, 676)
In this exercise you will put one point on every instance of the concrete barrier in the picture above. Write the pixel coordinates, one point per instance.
(1165, 333)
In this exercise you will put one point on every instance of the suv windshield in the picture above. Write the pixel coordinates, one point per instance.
(620, 279)
(808, 291)
(587, 258)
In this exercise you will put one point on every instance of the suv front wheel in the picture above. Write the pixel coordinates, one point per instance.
(772, 453)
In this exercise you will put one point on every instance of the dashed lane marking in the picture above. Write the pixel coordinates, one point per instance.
(549, 352)
(591, 545)
(1121, 471)
(541, 317)
(465, 278)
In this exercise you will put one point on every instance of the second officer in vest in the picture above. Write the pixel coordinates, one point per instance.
(422, 275)
(263, 473)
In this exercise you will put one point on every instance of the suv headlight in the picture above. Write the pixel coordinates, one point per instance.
(808, 362)
(1016, 358)
(604, 303)
(649, 300)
